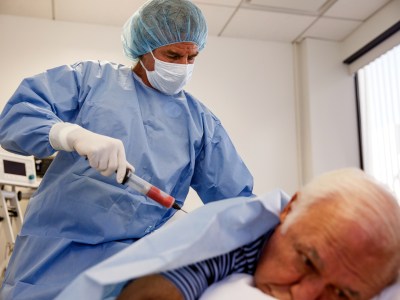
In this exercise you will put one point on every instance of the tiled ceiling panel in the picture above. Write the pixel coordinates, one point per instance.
(331, 29)
(355, 9)
(106, 12)
(302, 5)
(232, 3)
(216, 16)
(26, 8)
(276, 20)
(264, 25)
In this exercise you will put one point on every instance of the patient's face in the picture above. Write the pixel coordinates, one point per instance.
(319, 257)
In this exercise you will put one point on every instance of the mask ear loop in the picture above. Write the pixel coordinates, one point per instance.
(151, 52)
(140, 61)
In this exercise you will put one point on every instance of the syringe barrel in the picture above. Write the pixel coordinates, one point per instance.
(145, 188)
(138, 184)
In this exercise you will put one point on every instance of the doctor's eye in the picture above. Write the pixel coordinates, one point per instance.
(192, 58)
(173, 56)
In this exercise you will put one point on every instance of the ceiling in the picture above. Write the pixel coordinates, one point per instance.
(273, 20)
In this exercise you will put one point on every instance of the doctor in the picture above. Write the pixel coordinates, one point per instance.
(114, 116)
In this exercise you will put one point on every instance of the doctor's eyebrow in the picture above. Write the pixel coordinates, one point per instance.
(176, 54)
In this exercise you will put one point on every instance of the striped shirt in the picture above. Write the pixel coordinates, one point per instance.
(194, 279)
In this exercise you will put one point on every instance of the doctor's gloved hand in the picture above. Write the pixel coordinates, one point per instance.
(105, 154)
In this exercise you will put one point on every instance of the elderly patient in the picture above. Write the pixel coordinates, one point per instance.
(338, 238)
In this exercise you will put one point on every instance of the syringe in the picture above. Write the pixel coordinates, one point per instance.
(145, 188)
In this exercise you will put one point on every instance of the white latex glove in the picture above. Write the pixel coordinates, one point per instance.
(105, 154)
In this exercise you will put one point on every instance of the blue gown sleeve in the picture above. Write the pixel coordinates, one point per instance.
(37, 104)
(220, 173)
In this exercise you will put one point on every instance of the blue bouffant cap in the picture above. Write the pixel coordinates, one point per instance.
(163, 22)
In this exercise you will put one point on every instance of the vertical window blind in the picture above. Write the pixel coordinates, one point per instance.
(379, 107)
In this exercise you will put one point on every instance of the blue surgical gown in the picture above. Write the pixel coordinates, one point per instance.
(78, 217)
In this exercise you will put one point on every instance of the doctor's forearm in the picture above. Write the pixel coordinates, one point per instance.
(152, 287)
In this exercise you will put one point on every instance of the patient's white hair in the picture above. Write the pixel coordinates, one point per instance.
(363, 199)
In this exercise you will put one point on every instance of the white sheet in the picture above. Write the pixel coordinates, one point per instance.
(390, 293)
(236, 286)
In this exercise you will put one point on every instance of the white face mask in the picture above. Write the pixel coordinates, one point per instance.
(169, 78)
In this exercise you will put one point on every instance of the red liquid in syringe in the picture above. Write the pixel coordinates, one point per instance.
(161, 197)
(144, 187)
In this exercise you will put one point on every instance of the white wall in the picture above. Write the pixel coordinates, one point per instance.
(325, 97)
(30, 46)
(327, 109)
(247, 84)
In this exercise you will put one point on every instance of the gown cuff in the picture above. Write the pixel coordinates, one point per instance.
(58, 135)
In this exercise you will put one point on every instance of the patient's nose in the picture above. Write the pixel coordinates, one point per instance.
(309, 288)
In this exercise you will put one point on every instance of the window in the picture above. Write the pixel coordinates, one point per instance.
(379, 107)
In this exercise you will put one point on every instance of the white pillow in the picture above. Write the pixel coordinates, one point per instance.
(235, 286)
(392, 292)
(240, 286)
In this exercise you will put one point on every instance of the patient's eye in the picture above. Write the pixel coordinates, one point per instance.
(308, 259)
(307, 262)
(339, 294)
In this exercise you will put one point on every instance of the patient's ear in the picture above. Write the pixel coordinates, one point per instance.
(288, 208)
